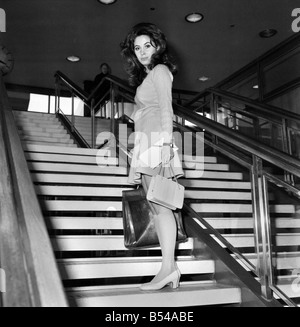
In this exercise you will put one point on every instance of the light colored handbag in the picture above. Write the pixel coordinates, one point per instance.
(166, 192)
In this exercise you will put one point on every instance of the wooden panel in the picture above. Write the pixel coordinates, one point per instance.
(45, 284)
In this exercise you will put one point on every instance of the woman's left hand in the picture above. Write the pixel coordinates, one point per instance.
(166, 154)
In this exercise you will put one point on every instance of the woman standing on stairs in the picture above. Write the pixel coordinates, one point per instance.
(151, 70)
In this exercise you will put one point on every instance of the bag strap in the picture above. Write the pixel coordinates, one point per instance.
(172, 171)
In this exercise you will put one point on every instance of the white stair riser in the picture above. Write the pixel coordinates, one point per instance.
(99, 243)
(78, 151)
(41, 143)
(117, 223)
(71, 159)
(80, 169)
(117, 192)
(238, 208)
(129, 269)
(61, 134)
(163, 299)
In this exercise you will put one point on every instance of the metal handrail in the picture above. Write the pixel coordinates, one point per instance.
(71, 85)
(272, 155)
(261, 108)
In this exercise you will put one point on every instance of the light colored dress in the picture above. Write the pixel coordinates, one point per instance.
(153, 116)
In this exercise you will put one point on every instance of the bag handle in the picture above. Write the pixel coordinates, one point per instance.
(172, 171)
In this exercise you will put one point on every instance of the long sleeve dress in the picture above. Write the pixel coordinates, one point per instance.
(153, 117)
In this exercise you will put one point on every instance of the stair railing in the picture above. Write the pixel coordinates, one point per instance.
(26, 256)
(258, 153)
(269, 124)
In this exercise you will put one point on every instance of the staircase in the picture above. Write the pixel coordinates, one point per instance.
(43, 129)
(80, 194)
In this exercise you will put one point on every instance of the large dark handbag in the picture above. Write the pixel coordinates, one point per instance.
(138, 221)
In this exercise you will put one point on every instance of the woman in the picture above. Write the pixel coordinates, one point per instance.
(151, 70)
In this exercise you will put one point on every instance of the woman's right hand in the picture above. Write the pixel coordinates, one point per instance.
(166, 155)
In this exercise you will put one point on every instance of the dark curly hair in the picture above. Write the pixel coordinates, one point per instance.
(133, 67)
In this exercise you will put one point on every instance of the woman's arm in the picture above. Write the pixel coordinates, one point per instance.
(163, 80)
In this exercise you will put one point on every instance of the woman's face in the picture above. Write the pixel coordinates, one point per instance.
(104, 69)
(144, 49)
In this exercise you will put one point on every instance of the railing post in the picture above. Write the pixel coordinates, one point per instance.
(262, 228)
(286, 147)
(93, 122)
(214, 114)
(73, 118)
(57, 95)
(112, 109)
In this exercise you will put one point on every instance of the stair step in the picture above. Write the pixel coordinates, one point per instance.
(41, 143)
(80, 191)
(59, 205)
(54, 149)
(56, 129)
(117, 192)
(289, 285)
(73, 223)
(215, 184)
(32, 133)
(99, 243)
(127, 267)
(80, 169)
(248, 223)
(49, 126)
(238, 208)
(205, 166)
(247, 240)
(67, 158)
(63, 140)
(79, 179)
(199, 159)
(188, 294)
(213, 175)
(20, 113)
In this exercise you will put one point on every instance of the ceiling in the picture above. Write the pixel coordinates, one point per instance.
(42, 33)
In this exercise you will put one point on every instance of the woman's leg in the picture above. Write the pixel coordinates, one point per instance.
(166, 229)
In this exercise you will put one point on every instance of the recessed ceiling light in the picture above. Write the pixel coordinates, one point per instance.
(73, 58)
(203, 78)
(194, 17)
(267, 33)
(255, 86)
(107, 2)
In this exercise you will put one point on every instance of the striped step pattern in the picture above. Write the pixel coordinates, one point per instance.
(41, 128)
(80, 191)
(82, 204)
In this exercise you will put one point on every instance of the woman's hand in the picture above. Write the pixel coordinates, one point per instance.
(166, 154)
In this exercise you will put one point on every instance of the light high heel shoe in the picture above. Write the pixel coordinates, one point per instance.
(172, 279)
